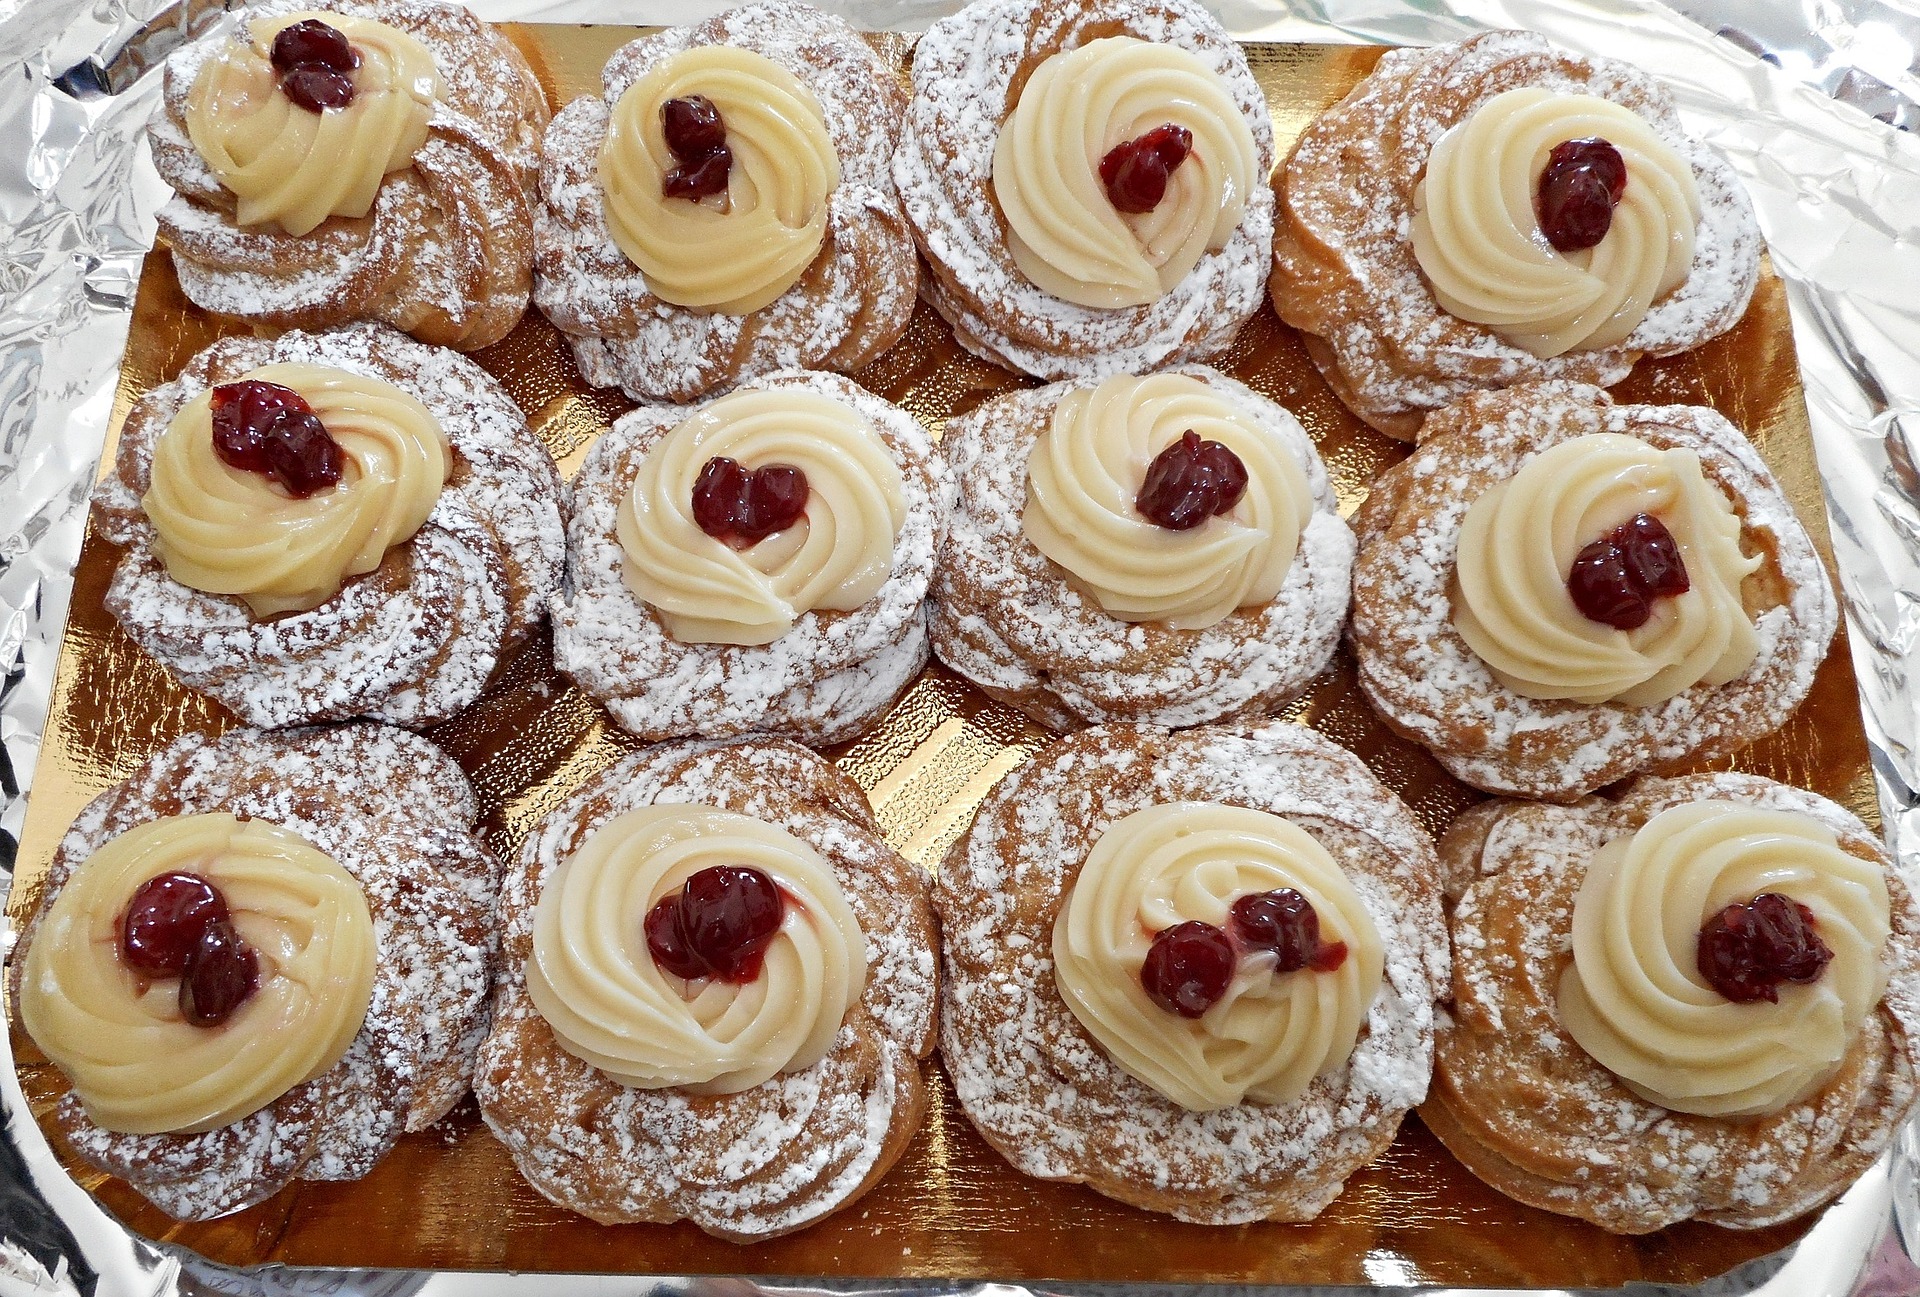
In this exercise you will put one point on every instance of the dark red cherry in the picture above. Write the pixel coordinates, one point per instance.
(1282, 921)
(164, 921)
(317, 88)
(1579, 188)
(700, 179)
(312, 43)
(720, 496)
(1615, 579)
(728, 916)
(1135, 173)
(303, 455)
(1188, 968)
(775, 502)
(1746, 951)
(1190, 481)
(666, 944)
(739, 505)
(221, 972)
(693, 127)
(242, 414)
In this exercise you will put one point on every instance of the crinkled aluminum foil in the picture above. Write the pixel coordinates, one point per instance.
(77, 197)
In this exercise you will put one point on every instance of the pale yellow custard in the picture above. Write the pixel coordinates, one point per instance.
(1062, 229)
(1272, 1033)
(1518, 543)
(233, 531)
(736, 251)
(135, 1063)
(836, 557)
(1477, 236)
(1084, 476)
(294, 167)
(1634, 997)
(594, 981)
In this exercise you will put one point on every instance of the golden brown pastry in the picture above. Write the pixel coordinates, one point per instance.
(1697, 1001)
(1195, 971)
(1438, 235)
(354, 160)
(724, 208)
(262, 959)
(718, 991)
(334, 524)
(1555, 592)
(1084, 180)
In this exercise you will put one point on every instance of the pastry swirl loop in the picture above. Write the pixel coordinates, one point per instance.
(836, 557)
(1270, 1035)
(1518, 542)
(136, 1064)
(1477, 236)
(232, 531)
(732, 253)
(1062, 230)
(594, 982)
(1633, 996)
(1085, 472)
(295, 167)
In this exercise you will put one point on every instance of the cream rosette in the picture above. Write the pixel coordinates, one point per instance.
(1062, 230)
(228, 530)
(295, 167)
(1517, 545)
(1271, 1034)
(609, 1004)
(1634, 998)
(136, 1064)
(1477, 236)
(836, 557)
(1085, 473)
(734, 252)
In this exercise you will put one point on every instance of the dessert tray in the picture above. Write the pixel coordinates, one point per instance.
(952, 1211)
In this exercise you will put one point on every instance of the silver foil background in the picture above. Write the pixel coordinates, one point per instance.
(1787, 91)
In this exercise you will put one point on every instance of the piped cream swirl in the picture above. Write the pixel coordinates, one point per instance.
(1634, 998)
(609, 1004)
(734, 252)
(1518, 543)
(295, 167)
(1271, 1035)
(836, 557)
(229, 530)
(136, 1064)
(1062, 230)
(1085, 473)
(1476, 232)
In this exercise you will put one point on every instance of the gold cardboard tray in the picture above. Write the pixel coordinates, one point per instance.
(951, 1209)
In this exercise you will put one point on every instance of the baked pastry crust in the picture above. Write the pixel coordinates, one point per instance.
(1428, 686)
(821, 681)
(1529, 1112)
(397, 814)
(850, 305)
(1041, 1089)
(1007, 618)
(446, 254)
(411, 642)
(968, 70)
(1344, 271)
(766, 1160)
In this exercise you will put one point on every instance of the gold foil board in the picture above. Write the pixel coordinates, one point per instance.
(952, 1208)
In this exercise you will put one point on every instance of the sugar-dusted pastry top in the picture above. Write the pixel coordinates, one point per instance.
(1520, 1101)
(610, 1004)
(227, 530)
(1520, 539)
(739, 249)
(136, 1064)
(1476, 224)
(1084, 478)
(1063, 230)
(836, 557)
(288, 164)
(1272, 1032)
(1421, 674)
(1345, 269)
